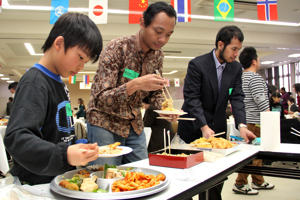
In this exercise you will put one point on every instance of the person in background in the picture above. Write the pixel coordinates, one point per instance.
(126, 74)
(81, 109)
(12, 88)
(284, 98)
(296, 88)
(292, 106)
(272, 88)
(39, 135)
(9, 105)
(256, 101)
(157, 127)
(211, 80)
(275, 104)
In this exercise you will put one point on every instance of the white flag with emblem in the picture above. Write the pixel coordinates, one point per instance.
(98, 11)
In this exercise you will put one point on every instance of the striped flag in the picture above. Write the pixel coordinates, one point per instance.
(267, 10)
(86, 79)
(168, 84)
(58, 7)
(72, 79)
(183, 9)
(98, 11)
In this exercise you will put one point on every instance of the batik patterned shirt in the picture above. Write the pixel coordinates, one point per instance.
(110, 107)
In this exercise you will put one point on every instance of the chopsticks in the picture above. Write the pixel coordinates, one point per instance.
(298, 132)
(168, 134)
(157, 72)
(218, 134)
(180, 118)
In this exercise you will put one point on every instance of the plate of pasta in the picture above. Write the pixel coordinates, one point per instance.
(170, 112)
(113, 150)
(137, 182)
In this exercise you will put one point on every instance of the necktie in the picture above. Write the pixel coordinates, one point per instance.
(219, 73)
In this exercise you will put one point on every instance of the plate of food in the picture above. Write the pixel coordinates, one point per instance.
(169, 112)
(217, 145)
(113, 150)
(84, 184)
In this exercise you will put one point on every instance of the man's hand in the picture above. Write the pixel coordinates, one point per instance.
(207, 132)
(246, 134)
(173, 117)
(81, 154)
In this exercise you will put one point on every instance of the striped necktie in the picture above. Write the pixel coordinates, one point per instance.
(219, 73)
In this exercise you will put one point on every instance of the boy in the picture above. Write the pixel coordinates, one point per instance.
(39, 133)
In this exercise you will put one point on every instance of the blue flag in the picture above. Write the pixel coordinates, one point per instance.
(58, 7)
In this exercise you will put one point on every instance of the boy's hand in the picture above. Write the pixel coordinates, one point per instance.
(81, 154)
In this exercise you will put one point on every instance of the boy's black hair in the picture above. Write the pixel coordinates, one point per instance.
(227, 33)
(11, 99)
(247, 56)
(156, 8)
(13, 86)
(272, 88)
(283, 88)
(77, 29)
(276, 94)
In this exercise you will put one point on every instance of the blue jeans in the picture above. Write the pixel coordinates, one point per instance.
(105, 137)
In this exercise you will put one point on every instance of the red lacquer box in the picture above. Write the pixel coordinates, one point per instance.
(194, 157)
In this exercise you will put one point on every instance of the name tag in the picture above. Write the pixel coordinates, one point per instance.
(230, 91)
(128, 73)
(68, 109)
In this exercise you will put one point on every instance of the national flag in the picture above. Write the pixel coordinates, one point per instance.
(183, 9)
(0, 6)
(136, 9)
(267, 10)
(98, 11)
(176, 82)
(168, 84)
(86, 79)
(72, 79)
(224, 10)
(58, 7)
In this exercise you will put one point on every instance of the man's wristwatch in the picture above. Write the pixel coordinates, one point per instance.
(242, 126)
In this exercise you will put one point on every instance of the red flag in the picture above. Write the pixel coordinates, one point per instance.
(136, 8)
(267, 10)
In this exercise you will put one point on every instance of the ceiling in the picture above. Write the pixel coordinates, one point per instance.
(273, 42)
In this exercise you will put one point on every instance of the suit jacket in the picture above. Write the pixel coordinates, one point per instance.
(157, 127)
(203, 101)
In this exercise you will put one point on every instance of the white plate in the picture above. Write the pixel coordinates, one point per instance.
(168, 112)
(125, 150)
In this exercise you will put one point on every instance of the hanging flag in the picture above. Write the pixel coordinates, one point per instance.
(176, 82)
(224, 10)
(168, 84)
(136, 9)
(183, 9)
(98, 11)
(0, 6)
(86, 79)
(267, 10)
(72, 79)
(58, 7)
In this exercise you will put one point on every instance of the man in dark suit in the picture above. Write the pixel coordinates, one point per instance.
(211, 80)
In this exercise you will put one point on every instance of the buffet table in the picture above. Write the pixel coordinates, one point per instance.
(185, 183)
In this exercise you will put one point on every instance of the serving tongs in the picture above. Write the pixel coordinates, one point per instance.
(297, 132)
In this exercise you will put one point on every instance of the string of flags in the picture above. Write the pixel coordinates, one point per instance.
(223, 10)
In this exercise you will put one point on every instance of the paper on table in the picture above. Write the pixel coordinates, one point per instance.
(4, 163)
(270, 131)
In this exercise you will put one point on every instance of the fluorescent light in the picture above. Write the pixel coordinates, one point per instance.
(10, 81)
(180, 57)
(294, 55)
(172, 72)
(5, 78)
(267, 62)
(31, 50)
(1, 74)
(126, 12)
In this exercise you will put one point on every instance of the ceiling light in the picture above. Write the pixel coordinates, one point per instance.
(180, 57)
(172, 72)
(10, 81)
(31, 50)
(294, 55)
(5, 78)
(1, 74)
(267, 62)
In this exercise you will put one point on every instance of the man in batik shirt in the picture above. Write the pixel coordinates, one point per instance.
(126, 75)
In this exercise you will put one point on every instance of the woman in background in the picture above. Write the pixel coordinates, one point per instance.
(275, 104)
(81, 107)
(292, 106)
